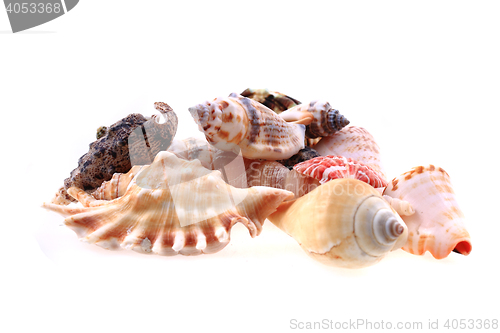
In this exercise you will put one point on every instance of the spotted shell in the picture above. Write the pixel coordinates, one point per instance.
(237, 123)
(274, 100)
(134, 140)
(326, 168)
(320, 118)
(344, 223)
(438, 224)
(354, 142)
(171, 207)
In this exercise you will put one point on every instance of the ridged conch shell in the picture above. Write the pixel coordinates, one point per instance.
(237, 123)
(344, 222)
(274, 100)
(133, 140)
(437, 225)
(326, 168)
(354, 142)
(320, 118)
(171, 207)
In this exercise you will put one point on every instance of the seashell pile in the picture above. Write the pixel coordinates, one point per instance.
(265, 156)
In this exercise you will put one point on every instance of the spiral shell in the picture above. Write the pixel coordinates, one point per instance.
(320, 118)
(354, 142)
(171, 207)
(344, 222)
(326, 168)
(438, 224)
(134, 140)
(274, 100)
(237, 123)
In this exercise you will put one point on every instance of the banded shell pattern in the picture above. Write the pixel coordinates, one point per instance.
(171, 207)
(237, 123)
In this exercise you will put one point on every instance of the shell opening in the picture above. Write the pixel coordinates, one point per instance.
(463, 247)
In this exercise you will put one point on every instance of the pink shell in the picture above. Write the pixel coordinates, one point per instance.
(326, 168)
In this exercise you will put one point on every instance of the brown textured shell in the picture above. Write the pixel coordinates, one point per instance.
(134, 140)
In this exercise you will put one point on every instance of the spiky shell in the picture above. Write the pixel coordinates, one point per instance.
(344, 222)
(172, 207)
(237, 123)
(438, 224)
(274, 100)
(354, 142)
(134, 140)
(320, 118)
(326, 168)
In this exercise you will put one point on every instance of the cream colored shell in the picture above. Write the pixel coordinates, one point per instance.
(237, 123)
(171, 207)
(344, 222)
(438, 224)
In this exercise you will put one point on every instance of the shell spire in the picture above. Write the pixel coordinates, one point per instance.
(321, 119)
(344, 222)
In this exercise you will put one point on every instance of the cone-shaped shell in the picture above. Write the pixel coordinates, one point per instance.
(320, 118)
(172, 207)
(344, 222)
(354, 142)
(274, 100)
(326, 168)
(237, 123)
(438, 224)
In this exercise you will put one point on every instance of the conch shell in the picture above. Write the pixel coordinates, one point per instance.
(354, 142)
(320, 118)
(134, 140)
(344, 222)
(326, 168)
(237, 123)
(437, 225)
(171, 207)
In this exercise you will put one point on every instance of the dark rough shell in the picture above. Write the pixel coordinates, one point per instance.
(276, 101)
(134, 140)
(304, 154)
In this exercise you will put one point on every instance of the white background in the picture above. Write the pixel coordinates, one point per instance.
(422, 77)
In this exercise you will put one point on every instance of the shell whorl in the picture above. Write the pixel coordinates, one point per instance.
(237, 123)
